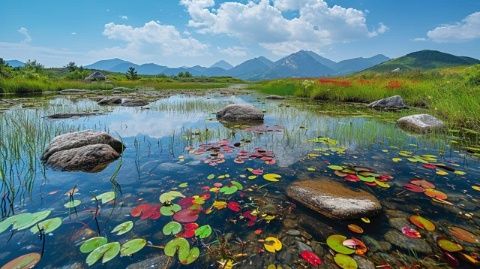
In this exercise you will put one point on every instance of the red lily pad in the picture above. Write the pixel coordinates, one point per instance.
(413, 188)
(234, 206)
(186, 215)
(311, 258)
(146, 211)
(410, 232)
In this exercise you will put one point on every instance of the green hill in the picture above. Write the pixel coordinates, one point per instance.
(423, 60)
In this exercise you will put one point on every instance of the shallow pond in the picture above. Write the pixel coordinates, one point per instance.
(229, 182)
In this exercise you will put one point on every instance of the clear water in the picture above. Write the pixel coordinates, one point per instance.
(159, 157)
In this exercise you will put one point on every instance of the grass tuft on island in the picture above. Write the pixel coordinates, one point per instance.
(453, 94)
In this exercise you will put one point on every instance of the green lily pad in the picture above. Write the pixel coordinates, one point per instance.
(203, 231)
(92, 243)
(183, 185)
(168, 197)
(105, 197)
(21, 220)
(133, 246)
(335, 167)
(48, 225)
(107, 252)
(32, 219)
(5, 224)
(123, 228)
(335, 242)
(192, 256)
(172, 228)
(169, 210)
(366, 179)
(178, 244)
(237, 184)
(227, 190)
(345, 261)
(211, 176)
(72, 203)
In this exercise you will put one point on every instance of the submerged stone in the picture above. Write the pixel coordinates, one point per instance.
(334, 200)
(134, 102)
(397, 239)
(420, 123)
(275, 97)
(110, 100)
(389, 103)
(159, 261)
(96, 76)
(82, 151)
(240, 112)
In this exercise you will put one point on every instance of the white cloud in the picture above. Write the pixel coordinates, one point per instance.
(467, 29)
(47, 56)
(124, 17)
(234, 51)
(26, 35)
(419, 39)
(152, 39)
(74, 33)
(263, 22)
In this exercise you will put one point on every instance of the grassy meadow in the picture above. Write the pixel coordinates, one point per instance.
(453, 94)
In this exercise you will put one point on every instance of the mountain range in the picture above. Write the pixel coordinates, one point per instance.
(299, 64)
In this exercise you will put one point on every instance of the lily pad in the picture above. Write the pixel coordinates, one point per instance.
(433, 193)
(72, 203)
(272, 244)
(335, 242)
(345, 261)
(449, 246)
(31, 219)
(227, 190)
(311, 258)
(105, 252)
(123, 228)
(203, 231)
(105, 197)
(169, 210)
(92, 243)
(422, 223)
(26, 261)
(192, 256)
(464, 235)
(133, 246)
(272, 177)
(172, 228)
(335, 167)
(178, 244)
(168, 197)
(185, 216)
(47, 226)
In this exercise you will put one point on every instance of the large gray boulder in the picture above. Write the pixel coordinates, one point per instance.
(110, 100)
(82, 151)
(333, 199)
(420, 123)
(389, 103)
(240, 112)
(96, 76)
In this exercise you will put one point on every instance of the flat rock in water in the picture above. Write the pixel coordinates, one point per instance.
(275, 97)
(240, 112)
(110, 100)
(334, 200)
(397, 239)
(420, 123)
(389, 103)
(82, 151)
(71, 115)
(132, 103)
(159, 261)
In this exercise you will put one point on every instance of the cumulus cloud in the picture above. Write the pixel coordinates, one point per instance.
(24, 31)
(263, 22)
(124, 17)
(153, 38)
(465, 30)
(234, 51)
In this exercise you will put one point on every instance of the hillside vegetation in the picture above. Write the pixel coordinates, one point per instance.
(453, 94)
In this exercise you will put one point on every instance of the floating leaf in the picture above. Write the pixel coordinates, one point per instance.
(203, 231)
(123, 228)
(433, 193)
(219, 204)
(183, 185)
(422, 223)
(186, 215)
(105, 197)
(345, 261)
(237, 184)
(169, 210)
(414, 188)
(172, 228)
(355, 228)
(133, 246)
(192, 256)
(272, 244)
(72, 203)
(356, 244)
(47, 226)
(26, 261)
(335, 242)
(272, 177)
(92, 243)
(411, 233)
(170, 196)
(211, 176)
(227, 190)
(311, 258)
(107, 252)
(146, 211)
(226, 264)
(178, 244)
(449, 246)
(234, 206)
(30, 219)
(423, 183)
(464, 235)
(335, 167)
(475, 187)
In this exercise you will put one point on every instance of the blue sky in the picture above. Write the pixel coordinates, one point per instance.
(190, 32)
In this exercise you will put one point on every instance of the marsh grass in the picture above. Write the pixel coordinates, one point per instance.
(451, 94)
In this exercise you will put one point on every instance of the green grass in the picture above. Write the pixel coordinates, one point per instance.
(453, 94)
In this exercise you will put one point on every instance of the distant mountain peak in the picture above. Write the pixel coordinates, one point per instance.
(222, 64)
